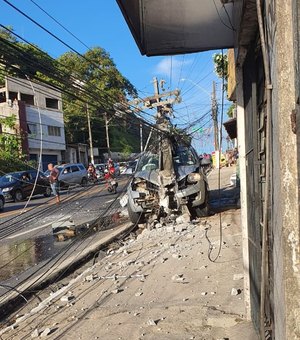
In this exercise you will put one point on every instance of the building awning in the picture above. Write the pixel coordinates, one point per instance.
(231, 128)
(162, 27)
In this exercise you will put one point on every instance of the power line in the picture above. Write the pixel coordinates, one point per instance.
(61, 25)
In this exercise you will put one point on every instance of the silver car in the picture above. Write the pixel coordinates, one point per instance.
(191, 185)
(71, 174)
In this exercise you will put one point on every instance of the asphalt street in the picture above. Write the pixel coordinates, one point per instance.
(26, 237)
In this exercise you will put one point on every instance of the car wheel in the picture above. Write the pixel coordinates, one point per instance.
(135, 217)
(18, 196)
(203, 209)
(84, 182)
(1, 204)
(48, 192)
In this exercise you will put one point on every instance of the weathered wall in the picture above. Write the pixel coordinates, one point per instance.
(285, 208)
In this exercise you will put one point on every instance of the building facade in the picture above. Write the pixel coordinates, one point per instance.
(39, 118)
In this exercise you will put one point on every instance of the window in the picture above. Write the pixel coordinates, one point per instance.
(12, 95)
(52, 103)
(54, 131)
(32, 129)
(2, 97)
(81, 167)
(27, 98)
(74, 168)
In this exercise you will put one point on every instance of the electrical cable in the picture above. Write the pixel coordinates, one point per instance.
(220, 18)
(210, 248)
(61, 25)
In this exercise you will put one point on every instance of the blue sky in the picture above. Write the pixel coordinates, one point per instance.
(100, 23)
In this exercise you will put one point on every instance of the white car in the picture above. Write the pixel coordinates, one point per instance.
(2, 201)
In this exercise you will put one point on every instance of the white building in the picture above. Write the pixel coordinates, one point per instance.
(39, 118)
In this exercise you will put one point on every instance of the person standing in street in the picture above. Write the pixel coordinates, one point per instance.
(53, 179)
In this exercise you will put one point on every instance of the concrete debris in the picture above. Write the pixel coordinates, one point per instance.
(178, 278)
(180, 228)
(213, 293)
(67, 298)
(152, 322)
(35, 334)
(170, 229)
(235, 291)
(237, 277)
(116, 291)
(91, 277)
(204, 293)
(138, 293)
(190, 236)
(183, 219)
(46, 332)
(176, 256)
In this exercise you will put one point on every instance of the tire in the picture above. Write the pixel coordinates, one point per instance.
(203, 209)
(48, 192)
(18, 196)
(84, 182)
(1, 204)
(135, 218)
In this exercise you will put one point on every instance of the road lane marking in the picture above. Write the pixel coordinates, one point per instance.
(29, 231)
(62, 219)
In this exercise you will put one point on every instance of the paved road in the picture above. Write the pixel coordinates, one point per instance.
(27, 239)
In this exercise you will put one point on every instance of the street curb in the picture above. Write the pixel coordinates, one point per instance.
(89, 247)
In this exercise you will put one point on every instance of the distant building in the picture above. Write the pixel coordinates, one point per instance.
(39, 118)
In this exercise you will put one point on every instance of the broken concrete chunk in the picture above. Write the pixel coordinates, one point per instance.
(116, 291)
(183, 219)
(138, 293)
(237, 277)
(91, 277)
(67, 298)
(235, 291)
(170, 229)
(152, 322)
(35, 334)
(204, 293)
(45, 332)
(178, 278)
(176, 256)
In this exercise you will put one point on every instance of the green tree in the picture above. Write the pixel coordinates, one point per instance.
(98, 82)
(9, 143)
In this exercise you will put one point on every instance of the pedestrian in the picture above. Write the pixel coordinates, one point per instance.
(53, 179)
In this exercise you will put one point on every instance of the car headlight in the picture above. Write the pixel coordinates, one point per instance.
(194, 177)
(6, 189)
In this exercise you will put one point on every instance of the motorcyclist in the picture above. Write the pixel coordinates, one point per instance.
(92, 171)
(110, 173)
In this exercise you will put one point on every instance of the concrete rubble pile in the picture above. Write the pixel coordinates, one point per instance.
(159, 285)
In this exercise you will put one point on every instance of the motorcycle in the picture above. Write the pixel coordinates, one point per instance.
(112, 183)
(112, 186)
(91, 178)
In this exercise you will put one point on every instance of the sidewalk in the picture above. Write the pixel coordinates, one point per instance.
(160, 285)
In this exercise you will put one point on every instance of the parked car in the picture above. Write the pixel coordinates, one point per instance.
(17, 186)
(71, 174)
(2, 201)
(192, 186)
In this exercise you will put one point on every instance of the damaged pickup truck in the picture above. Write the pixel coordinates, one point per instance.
(189, 187)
